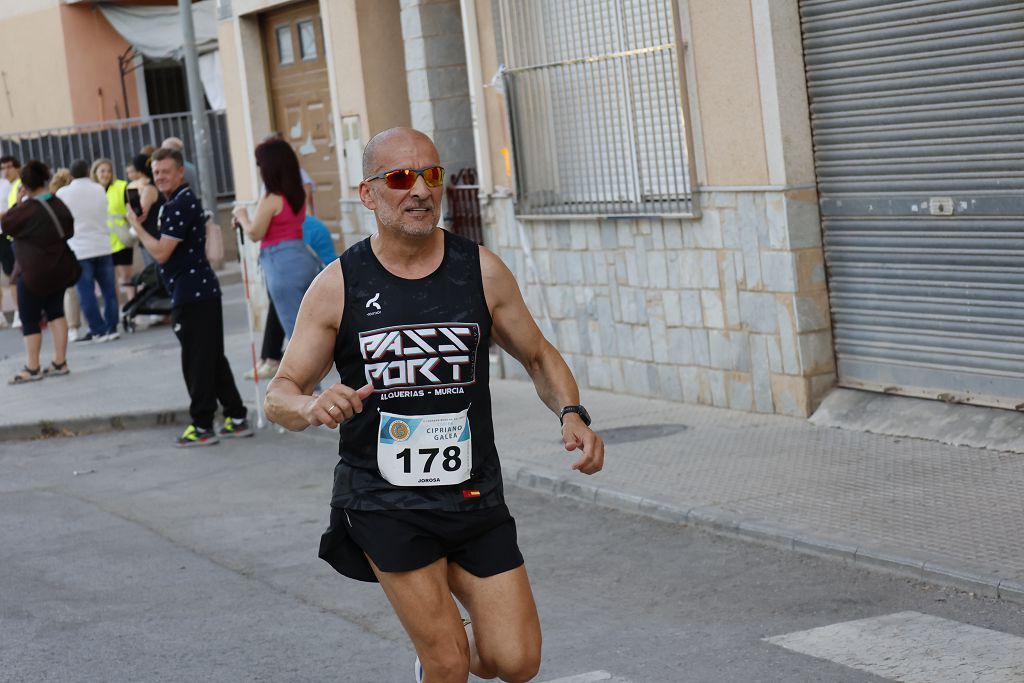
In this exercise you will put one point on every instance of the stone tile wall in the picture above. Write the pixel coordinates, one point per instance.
(729, 310)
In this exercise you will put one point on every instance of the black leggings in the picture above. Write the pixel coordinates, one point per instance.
(200, 329)
(273, 335)
(31, 308)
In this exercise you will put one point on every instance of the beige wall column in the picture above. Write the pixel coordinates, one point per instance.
(790, 161)
(435, 61)
(33, 27)
(249, 120)
(727, 308)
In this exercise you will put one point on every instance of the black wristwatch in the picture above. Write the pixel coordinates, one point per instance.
(579, 410)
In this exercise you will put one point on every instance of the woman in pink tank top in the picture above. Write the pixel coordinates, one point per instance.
(288, 264)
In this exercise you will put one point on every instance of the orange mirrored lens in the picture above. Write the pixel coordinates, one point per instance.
(400, 180)
(405, 178)
(433, 176)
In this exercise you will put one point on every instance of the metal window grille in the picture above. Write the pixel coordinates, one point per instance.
(596, 108)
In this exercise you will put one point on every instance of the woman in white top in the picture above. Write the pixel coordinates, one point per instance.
(91, 243)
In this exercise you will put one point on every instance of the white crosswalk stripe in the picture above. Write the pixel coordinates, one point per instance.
(590, 677)
(915, 648)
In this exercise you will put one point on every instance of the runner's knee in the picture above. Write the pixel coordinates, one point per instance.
(446, 664)
(515, 665)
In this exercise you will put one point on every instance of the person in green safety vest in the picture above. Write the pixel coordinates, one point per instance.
(121, 245)
(10, 183)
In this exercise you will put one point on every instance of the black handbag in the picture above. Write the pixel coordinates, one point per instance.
(66, 261)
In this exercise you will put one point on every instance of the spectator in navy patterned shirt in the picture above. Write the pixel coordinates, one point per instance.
(195, 300)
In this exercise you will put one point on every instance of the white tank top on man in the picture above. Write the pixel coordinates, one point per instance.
(88, 205)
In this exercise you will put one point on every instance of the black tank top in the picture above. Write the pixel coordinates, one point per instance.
(424, 345)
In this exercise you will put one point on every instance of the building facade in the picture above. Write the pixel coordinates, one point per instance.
(71, 49)
(655, 174)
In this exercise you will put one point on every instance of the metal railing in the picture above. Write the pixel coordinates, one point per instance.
(120, 140)
(464, 205)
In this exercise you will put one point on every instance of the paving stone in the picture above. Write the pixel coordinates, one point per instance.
(910, 506)
(657, 269)
(709, 275)
(680, 342)
(729, 290)
(578, 234)
(701, 350)
(757, 312)
(673, 307)
(711, 306)
(741, 392)
(816, 352)
(804, 224)
(692, 312)
(673, 232)
(787, 339)
(689, 266)
(730, 350)
(778, 271)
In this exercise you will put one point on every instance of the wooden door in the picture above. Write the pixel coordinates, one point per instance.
(300, 99)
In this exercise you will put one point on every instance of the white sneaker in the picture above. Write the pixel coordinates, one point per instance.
(3, 321)
(73, 334)
(267, 369)
(17, 321)
(113, 335)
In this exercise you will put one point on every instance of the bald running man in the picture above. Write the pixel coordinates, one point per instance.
(406, 317)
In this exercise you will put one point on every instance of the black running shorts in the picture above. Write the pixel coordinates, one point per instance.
(125, 257)
(483, 542)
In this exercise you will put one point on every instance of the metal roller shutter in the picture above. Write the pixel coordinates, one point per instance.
(918, 118)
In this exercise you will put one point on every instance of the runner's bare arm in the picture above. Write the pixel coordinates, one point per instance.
(515, 330)
(308, 359)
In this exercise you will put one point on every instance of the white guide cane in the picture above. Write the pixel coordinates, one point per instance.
(260, 423)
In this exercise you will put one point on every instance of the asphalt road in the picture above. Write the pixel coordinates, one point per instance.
(155, 564)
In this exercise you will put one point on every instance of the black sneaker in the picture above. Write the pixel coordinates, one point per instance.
(87, 337)
(235, 428)
(193, 437)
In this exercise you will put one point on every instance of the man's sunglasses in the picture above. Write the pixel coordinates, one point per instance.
(405, 178)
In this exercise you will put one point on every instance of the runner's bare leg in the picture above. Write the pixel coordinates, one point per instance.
(427, 610)
(506, 627)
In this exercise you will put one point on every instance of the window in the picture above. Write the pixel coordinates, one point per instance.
(307, 41)
(595, 104)
(285, 49)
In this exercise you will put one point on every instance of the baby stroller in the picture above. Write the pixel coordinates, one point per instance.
(151, 298)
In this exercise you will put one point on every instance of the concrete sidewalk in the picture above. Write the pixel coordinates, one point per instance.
(945, 514)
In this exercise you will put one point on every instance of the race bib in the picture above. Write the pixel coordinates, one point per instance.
(425, 450)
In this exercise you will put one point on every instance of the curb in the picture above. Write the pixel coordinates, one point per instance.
(724, 523)
(94, 424)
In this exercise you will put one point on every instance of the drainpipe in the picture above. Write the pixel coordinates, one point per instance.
(481, 133)
(204, 150)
